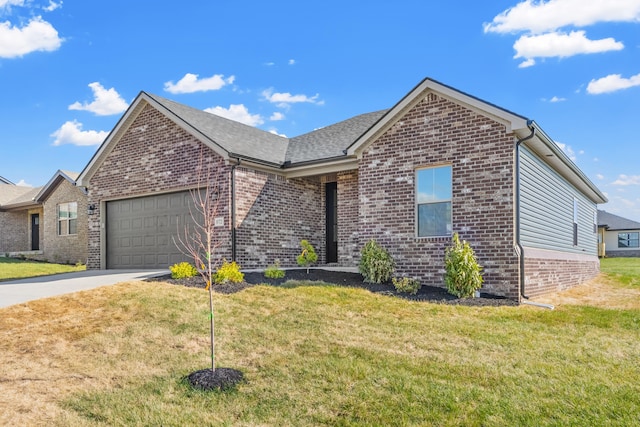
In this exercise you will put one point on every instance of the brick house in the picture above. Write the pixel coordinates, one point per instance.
(440, 161)
(46, 223)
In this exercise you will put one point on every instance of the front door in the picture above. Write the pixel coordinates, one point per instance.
(35, 232)
(331, 196)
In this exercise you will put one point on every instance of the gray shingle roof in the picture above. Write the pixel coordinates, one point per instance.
(330, 141)
(615, 222)
(253, 143)
(233, 137)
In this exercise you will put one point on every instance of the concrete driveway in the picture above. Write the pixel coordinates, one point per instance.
(23, 290)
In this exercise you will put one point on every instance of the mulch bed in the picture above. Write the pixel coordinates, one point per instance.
(222, 379)
(341, 278)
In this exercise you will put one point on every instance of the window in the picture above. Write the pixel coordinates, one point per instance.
(575, 222)
(433, 200)
(67, 218)
(628, 240)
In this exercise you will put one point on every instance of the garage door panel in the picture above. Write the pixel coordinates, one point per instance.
(140, 232)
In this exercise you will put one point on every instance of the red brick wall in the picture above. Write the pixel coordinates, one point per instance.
(273, 214)
(154, 155)
(550, 271)
(435, 132)
(348, 236)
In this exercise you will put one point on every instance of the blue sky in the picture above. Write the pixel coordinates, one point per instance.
(69, 69)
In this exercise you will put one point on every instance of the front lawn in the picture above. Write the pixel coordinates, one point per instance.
(314, 355)
(625, 270)
(11, 268)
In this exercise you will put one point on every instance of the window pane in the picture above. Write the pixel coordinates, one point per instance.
(61, 225)
(73, 227)
(433, 184)
(434, 219)
(63, 211)
(73, 210)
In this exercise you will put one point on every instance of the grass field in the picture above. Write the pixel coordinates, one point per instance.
(319, 355)
(11, 268)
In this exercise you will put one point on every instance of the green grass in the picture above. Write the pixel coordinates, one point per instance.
(11, 268)
(316, 355)
(625, 270)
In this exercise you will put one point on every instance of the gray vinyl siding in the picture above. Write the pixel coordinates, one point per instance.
(546, 216)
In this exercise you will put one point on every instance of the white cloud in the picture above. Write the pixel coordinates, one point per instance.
(106, 102)
(561, 45)
(625, 180)
(292, 62)
(612, 83)
(275, 132)
(37, 35)
(284, 99)
(72, 133)
(277, 116)
(540, 16)
(23, 183)
(557, 99)
(567, 150)
(8, 3)
(527, 63)
(52, 6)
(191, 83)
(600, 176)
(237, 112)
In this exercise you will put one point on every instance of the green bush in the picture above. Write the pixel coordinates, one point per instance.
(308, 255)
(274, 271)
(376, 265)
(406, 285)
(229, 272)
(182, 270)
(463, 274)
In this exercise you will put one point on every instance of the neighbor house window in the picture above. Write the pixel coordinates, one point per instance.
(433, 200)
(67, 218)
(628, 240)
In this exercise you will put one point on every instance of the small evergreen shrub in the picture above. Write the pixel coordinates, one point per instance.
(229, 272)
(182, 270)
(274, 271)
(308, 255)
(376, 265)
(463, 274)
(406, 285)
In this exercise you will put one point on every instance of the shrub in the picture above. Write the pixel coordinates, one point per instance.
(228, 272)
(376, 265)
(463, 274)
(182, 270)
(406, 285)
(308, 255)
(274, 271)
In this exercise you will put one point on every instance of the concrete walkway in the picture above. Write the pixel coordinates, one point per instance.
(23, 290)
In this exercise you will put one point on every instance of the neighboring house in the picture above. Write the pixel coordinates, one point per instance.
(440, 161)
(47, 223)
(20, 218)
(5, 181)
(618, 236)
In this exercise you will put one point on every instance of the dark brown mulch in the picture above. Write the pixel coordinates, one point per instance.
(341, 278)
(222, 379)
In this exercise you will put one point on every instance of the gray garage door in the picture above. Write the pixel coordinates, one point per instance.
(139, 231)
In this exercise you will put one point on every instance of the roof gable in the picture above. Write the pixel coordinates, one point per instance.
(53, 183)
(510, 120)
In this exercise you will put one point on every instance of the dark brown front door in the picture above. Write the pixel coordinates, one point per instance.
(35, 232)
